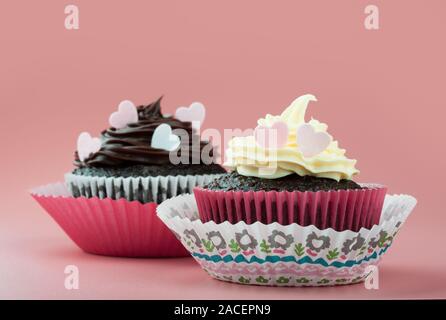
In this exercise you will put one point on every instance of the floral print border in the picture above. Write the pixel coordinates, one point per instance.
(280, 243)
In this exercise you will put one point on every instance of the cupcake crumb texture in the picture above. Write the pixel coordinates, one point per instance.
(150, 170)
(235, 182)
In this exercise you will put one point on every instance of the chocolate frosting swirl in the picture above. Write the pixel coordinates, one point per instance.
(131, 145)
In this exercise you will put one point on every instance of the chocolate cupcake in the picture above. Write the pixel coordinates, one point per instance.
(144, 156)
(290, 171)
(234, 181)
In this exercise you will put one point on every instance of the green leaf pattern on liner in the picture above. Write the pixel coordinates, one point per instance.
(299, 249)
(208, 245)
(283, 280)
(265, 247)
(261, 279)
(233, 245)
(244, 280)
(302, 280)
(333, 254)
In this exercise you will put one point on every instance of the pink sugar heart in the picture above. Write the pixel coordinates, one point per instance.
(310, 142)
(86, 145)
(126, 114)
(272, 137)
(195, 114)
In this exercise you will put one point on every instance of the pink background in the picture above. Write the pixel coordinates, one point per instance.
(381, 92)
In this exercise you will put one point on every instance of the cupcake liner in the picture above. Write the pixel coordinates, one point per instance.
(287, 274)
(109, 227)
(340, 209)
(143, 189)
(279, 254)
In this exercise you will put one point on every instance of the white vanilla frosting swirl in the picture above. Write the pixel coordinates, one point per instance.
(250, 159)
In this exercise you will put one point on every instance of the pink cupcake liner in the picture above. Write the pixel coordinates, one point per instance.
(339, 210)
(110, 227)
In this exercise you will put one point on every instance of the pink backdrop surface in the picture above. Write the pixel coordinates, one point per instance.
(381, 92)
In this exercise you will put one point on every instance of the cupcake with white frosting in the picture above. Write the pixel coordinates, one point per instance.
(290, 171)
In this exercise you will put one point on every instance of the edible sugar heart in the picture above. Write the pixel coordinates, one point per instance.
(195, 114)
(86, 145)
(310, 142)
(126, 114)
(275, 136)
(164, 139)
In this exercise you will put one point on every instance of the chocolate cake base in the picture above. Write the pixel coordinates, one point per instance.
(150, 170)
(235, 182)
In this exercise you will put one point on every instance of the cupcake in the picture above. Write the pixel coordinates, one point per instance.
(290, 171)
(135, 158)
(289, 212)
(107, 204)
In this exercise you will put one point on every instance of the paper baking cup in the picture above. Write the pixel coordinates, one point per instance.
(284, 255)
(340, 210)
(109, 227)
(143, 189)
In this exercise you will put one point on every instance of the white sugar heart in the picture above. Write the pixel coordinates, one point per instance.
(275, 136)
(310, 142)
(163, 138)
(87, 145)
(317, 243)
(195, 113)
(126, 114)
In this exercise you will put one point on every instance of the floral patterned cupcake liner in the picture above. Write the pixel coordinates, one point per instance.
(287, 274)
(143, 189)
(256, 245)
